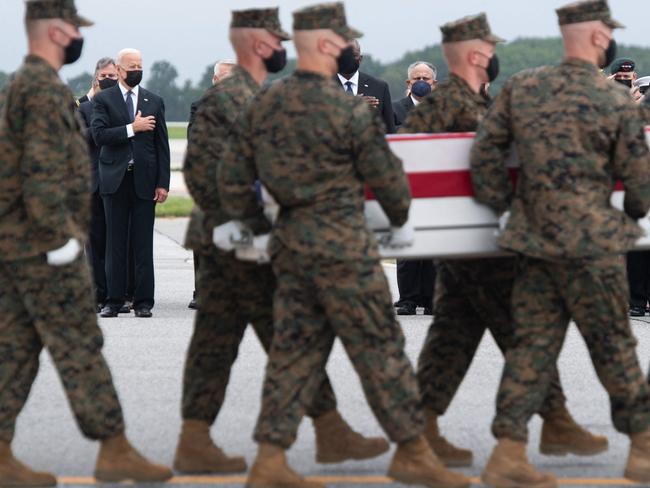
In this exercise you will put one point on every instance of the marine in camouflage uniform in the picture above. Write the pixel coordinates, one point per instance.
(44, 204)
(314, 149)
(576, 133)
(232, 293)
(474, 294)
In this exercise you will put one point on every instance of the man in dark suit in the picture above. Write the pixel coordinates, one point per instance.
(421, 80)
(105, 78)
(128, 124)
(374, 90)
(415, 279)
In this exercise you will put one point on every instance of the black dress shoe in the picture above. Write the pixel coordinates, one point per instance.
(192, 304)
(407, 309)
(428, 311)
(108, 312)
(637, 311)
(127, 307)
(143, 313)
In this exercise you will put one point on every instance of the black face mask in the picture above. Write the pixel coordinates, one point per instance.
(277, 61)
(610, 54)
(493, 68)
(107, 83)
(627, 83)
(133, 78)
(347, 63)
(73, 51)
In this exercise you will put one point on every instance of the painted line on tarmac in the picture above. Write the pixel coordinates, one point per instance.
(347, 480)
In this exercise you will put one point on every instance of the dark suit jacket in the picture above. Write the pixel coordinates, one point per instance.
(374, 87)
(193, 108)
(86, 110)
(149, 150)
(401, 108)
(83, 99)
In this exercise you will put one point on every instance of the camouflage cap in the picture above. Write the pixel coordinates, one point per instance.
(587, 11)
(55, 9)
(468, 28)
(259, 18)
(325, 16)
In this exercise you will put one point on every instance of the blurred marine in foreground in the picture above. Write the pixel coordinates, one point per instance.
(44, 280)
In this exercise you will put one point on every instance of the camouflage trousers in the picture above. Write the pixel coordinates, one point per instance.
(471, 296)
(231, 294)
(53, 307)
(546, 295)
(317, 301)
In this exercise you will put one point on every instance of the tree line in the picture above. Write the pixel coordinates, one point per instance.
(515, 56)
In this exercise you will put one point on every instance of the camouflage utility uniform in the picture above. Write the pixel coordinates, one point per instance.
(576, 133)
(473, 294)
(231, 293)
(314, 147)
(44, 202)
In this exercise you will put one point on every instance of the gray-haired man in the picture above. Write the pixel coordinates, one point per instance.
(421, 80)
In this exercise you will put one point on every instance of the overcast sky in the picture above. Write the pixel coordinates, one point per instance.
(193, 33)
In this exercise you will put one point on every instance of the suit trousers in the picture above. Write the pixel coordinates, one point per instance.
(415, 281)
(638, 275)
(124, 207)
(97, 246)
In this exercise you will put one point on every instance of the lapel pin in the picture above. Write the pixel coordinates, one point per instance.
(146, 99)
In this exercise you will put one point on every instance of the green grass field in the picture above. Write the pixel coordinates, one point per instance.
(175, 207)
(177, 132)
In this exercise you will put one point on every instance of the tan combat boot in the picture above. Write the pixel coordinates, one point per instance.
(119, 461)
(449, 454)
(638, 462)
(414, 463)
(197, 453)
(271, 470)
(508, 467)
(337, 442)
(15, 474)
(561, 435)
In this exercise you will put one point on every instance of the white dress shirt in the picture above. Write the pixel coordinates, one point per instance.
(416, 102)
(354, 80)
(129, 128)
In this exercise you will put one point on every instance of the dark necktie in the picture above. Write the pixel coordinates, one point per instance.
(349, 87)
(129, 105)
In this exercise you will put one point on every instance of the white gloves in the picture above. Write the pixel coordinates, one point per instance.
(64, 255)
(399, 237)
(231, 235)
(503, 222)
(256, 252)
(271, 207)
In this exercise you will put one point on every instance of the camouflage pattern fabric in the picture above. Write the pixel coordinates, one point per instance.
(575, 133)
(55, 9)
(45, 306)
(259, 18)
(325, 16)
(45, 172)
(313, 148)
(587, 11)
(45, 201)
(471, 295)
(314, 161)
(231, 294)
(316, 302)
(468, 28)
(594, 292)
(208, 138)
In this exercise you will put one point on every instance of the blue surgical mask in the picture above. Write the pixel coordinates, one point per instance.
(420, 88)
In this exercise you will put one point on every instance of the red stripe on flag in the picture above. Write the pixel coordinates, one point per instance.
(441, 184)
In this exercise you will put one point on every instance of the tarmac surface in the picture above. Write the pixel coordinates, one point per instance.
(146, 357)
